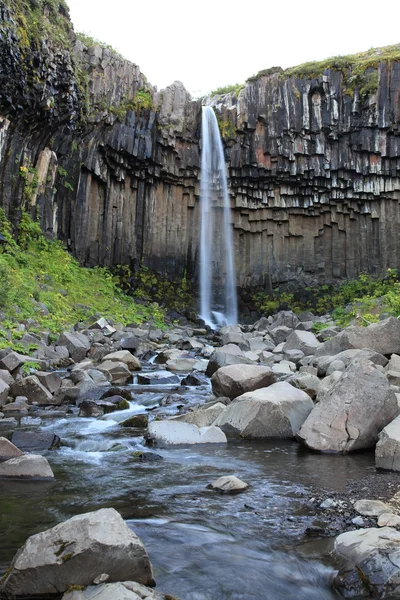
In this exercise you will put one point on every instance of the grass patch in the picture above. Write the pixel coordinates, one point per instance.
(363, 299)
(37, 275)
(91, 41)
(227, 89)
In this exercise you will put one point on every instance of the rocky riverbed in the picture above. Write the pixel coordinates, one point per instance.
(129, 419)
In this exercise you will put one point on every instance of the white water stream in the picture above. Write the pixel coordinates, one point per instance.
(218, 301)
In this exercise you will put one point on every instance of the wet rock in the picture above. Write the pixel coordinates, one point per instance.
(352, 413)
(116, 372)
(90, 408)
(157, 378)
(126, 357)
(146, 456)
(372, 563)
(203, 417)
(382, 337)
(74, 553)
(194, 379)
(228, 485)
(140, 421)
(117, 391)
(113, 403)
(30, 466)
(123, 590)
(31, 421)
(35, 441)
(33, 390)
(235, 380)
(8, 450)
(277, 411)
(171, 433)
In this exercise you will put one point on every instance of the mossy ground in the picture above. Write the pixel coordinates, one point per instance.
(37, 274)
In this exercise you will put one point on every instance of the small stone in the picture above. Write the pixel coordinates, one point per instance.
(328, 503)
(228, 485)
(101, 579)
(359, 521)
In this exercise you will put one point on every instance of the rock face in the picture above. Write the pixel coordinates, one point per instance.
(313, 162)
(75, 553)
(352, 413)
(387, 451)
(277, 411)
(373, 558)
(234, 380)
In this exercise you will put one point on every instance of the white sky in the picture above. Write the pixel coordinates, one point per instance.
(210, 43)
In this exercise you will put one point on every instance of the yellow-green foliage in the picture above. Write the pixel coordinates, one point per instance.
(36, 270)
(90, 42)
(235, 88)
(226, 127)
(264, 73)
(41, 19)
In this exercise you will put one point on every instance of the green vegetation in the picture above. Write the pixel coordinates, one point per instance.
(90, 42)
(39, 280)
(146, 285)
(226, 127)
(362, 299)
(264, 73)
(227, 89)
(38, 19)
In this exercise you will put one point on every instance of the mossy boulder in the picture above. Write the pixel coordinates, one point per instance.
(140, 421)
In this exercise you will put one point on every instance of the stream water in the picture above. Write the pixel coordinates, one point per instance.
(203, 546)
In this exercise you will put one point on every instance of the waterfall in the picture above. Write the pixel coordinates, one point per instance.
(218, 302)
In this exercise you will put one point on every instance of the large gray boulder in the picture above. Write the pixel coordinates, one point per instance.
(383, 337)
(203, 417)
(116, 371)
(75, 553)
(221, 358)
(76, 343)
(387, 450)
(33, 390)
(302, 340)
(4, 390)
(277, 411)
(372, 567)
(351, 414)
(126, 357)
(35, 441)
(235, 380)
(30, 466)
(324, 364)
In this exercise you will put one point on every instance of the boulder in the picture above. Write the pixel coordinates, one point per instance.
(74, 553)
(30, 466)
(126, 357)
(235, 380)
(371, 508)
(35, 441)
(90, 408)
(310, 384)
(220, 358)
(203, 417)
(183, 363)
(285, 318)
(158, 378)
(372, 566)
(228, 484)
(77, 345)
(33, 390)
(277, 411)
(172, 433)
(8, 450)
(139, 421)
(324, 363)
(280, 334)
(4, 390)
(116, 372)
(122, 590)
(6, 376)
(351, 414)
(387, 450)
(382, 337)
(389, 519)
(51, 381)
(302, 340)
(11, 361)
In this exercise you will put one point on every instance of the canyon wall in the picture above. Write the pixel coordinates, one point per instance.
(111, 166)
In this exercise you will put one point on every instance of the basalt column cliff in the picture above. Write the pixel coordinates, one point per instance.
(111, 166)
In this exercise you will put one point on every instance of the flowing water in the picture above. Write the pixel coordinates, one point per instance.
(218, 302)
(203, 546)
